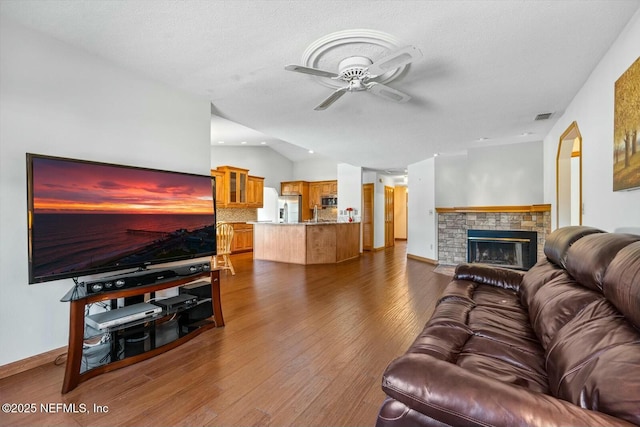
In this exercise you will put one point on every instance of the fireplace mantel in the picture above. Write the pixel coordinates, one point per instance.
(506, 209)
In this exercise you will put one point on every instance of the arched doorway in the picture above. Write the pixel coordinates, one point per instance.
(569, 178)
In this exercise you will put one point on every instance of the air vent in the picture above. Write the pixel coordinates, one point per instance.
(543, 116)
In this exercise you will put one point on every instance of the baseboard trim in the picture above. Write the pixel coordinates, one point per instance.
(31, 362)
(423, 259)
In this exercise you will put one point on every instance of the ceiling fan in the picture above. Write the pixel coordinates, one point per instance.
(359, 71)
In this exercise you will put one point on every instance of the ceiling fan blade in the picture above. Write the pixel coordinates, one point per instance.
(312, 71)
(395, 59)
(331, 99)
(387, 92)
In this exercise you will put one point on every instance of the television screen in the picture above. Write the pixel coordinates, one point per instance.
(88, 217)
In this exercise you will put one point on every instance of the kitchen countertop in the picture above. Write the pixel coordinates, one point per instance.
(300, 223)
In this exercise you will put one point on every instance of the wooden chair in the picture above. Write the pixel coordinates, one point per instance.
(224, 236)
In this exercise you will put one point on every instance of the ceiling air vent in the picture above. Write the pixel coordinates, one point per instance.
(543, 116)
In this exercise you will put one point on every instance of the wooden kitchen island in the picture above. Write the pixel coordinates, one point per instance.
(306, 242)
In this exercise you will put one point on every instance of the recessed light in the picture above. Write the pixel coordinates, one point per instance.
(435, 154)
(482, 138)
(525, 134)
(263, 142)
(310, 151)
(220, 142)
(243, 142)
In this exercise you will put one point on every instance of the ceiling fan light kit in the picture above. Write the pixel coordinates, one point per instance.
(359, 72)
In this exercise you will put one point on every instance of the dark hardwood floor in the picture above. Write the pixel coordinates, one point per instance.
(301, 346)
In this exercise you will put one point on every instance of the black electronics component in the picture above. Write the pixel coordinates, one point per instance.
(201, 289)
(129, 280)
(144, 277)
(178, 302)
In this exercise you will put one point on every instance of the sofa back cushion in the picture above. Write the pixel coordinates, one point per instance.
(589, 257)
(557, 244)
(622, 283)
(594, 362)
(587, 319)
(556, 304)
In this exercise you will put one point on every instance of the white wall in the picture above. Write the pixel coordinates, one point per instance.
(349, 188)
(450, 180)
(61, 101)
(505, 175)
(421, 240)
(261, 161)
(316, 169)
(592, 109)
(491, 176)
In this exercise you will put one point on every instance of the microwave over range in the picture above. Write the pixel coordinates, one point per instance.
(329, 201)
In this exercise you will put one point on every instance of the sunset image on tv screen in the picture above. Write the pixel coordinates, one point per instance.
(88, 216)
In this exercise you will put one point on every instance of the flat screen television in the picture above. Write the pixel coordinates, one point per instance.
(87, 217)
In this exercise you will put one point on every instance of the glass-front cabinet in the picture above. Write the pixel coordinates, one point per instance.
(235, 186)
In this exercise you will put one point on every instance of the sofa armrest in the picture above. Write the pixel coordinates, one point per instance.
(452, 395)
(490, 275)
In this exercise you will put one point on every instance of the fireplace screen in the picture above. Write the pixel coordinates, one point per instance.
(506, 248)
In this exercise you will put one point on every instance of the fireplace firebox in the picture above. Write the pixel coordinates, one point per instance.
(505, 248)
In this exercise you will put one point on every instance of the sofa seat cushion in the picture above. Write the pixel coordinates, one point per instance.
(485, 330)
(446, 394)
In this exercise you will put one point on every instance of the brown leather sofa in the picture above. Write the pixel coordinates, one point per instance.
(556, 345)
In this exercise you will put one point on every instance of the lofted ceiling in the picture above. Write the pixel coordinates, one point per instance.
(488, 67)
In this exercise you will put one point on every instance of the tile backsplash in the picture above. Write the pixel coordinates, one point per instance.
(237, 215)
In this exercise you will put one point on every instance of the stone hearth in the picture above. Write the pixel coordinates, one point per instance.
(453, 224)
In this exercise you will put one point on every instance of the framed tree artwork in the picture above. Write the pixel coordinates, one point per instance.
(626, 130)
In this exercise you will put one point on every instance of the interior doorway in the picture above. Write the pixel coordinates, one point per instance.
(367, 217)
(389, 236)
(569, 207)
(400, 216)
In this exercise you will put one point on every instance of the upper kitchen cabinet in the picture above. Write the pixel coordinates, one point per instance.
(236, 189)
(220, 188)
(255, 191)
(320, 189)
(293, 188)
(329, 188)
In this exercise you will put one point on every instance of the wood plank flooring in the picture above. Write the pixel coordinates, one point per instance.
(302, 345)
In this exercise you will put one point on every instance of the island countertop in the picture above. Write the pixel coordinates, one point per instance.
(306, 242)
(300, 223)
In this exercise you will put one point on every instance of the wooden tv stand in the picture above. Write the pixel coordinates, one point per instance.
(93, 352)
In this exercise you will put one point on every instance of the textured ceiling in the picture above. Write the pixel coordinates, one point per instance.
(489, 67)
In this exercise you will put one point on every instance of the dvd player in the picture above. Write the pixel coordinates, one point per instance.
(119, 316)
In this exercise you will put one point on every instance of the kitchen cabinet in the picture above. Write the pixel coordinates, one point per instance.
(220, 188)
(293, 188)
(235, 188)
(242, 238)
(315, 194)
(329, 188)
(318, 189)
(255, 194)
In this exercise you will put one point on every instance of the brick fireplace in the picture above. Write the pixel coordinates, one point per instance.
(454, 224)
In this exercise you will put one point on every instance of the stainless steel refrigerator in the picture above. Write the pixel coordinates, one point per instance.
(289, 209)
